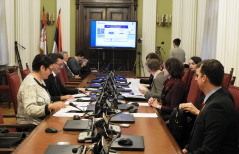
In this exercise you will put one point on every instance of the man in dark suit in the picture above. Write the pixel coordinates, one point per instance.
(74, 65)
(215, 129)
(68, 71)
(56, 89)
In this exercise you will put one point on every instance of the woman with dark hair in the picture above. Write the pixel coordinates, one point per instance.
(173, 92)
(34, 102)
(187, 78)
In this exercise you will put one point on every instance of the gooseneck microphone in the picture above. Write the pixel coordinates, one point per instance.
(71, 104)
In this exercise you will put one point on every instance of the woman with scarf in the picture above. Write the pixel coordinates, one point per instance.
(173, 92)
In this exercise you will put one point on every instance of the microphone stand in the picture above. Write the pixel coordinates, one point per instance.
(18, 55)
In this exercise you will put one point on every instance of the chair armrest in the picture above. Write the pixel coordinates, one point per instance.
(71, 86)
(9, 116)
(74, 80)
(72, 83)
(16, 125)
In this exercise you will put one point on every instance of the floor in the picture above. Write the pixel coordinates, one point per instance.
(7, 111)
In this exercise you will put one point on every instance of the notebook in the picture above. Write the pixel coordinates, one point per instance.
(138, 143)
(77, 125)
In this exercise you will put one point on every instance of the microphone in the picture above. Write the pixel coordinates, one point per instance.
(71, 104)
(78, 150)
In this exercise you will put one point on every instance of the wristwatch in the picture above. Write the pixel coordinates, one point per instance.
(158, 107)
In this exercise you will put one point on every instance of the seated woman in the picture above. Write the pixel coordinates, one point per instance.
(151, 77)
(192, 68)
(173, 92)
(34, 102)
(153, 66)
(189, 107)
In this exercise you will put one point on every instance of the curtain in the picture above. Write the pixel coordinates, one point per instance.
(4, 58)
(184, 25)
(210, 30)
(228, 36)
(148, 32)
(28, 29)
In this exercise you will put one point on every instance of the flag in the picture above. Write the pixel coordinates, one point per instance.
(57, 46)
(43, 39)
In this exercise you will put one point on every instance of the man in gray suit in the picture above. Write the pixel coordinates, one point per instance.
(177, 52)
(68, 71)
(74, 63)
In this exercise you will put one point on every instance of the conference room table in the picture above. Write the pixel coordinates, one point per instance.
(157, 138)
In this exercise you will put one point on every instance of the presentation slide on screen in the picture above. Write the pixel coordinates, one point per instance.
(113, 34)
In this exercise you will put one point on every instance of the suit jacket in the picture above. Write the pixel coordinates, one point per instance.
(157, 86)
(178, 53)
(215, 129)
(57, 89)
(74, 66)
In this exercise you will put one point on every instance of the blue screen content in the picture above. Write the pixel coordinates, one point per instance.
(120, 34)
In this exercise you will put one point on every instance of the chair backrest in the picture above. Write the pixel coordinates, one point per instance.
(1, 116)
(185, 76)
(25, 72)
(233, 80)
(14, 85)
(61, 77)
(194, 91)
(227, 78)
(235, 93)
(63, 70)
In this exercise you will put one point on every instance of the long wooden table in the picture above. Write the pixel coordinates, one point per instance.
(157, 138)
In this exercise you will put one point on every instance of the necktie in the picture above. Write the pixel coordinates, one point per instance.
(202, 107)
(55, 78)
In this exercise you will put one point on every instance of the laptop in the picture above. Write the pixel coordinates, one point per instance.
(77, 125)
(123, 118)
(138, 144)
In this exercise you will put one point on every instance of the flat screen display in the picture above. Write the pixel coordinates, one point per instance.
(113, 34)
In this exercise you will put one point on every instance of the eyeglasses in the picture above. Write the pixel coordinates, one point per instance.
(61, 64)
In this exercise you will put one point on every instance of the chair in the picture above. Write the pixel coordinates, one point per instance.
(185, 76)
(194, 92)
(25, 72)
(227, 78)
(64, 82)
(67, 80)
(5, 91)
(235, 93)
(14, 85)
(233, 80)
(12, 128)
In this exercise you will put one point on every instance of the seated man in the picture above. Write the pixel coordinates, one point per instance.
(215, 129)
(56, 89)
(153, 66)
(74, 65)
(68, 70)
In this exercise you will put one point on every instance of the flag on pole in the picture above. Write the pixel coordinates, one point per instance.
(57, 46)
(43, 39)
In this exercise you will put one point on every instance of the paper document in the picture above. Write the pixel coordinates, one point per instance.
(79, 95)
(65, 112)
(145, 115)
